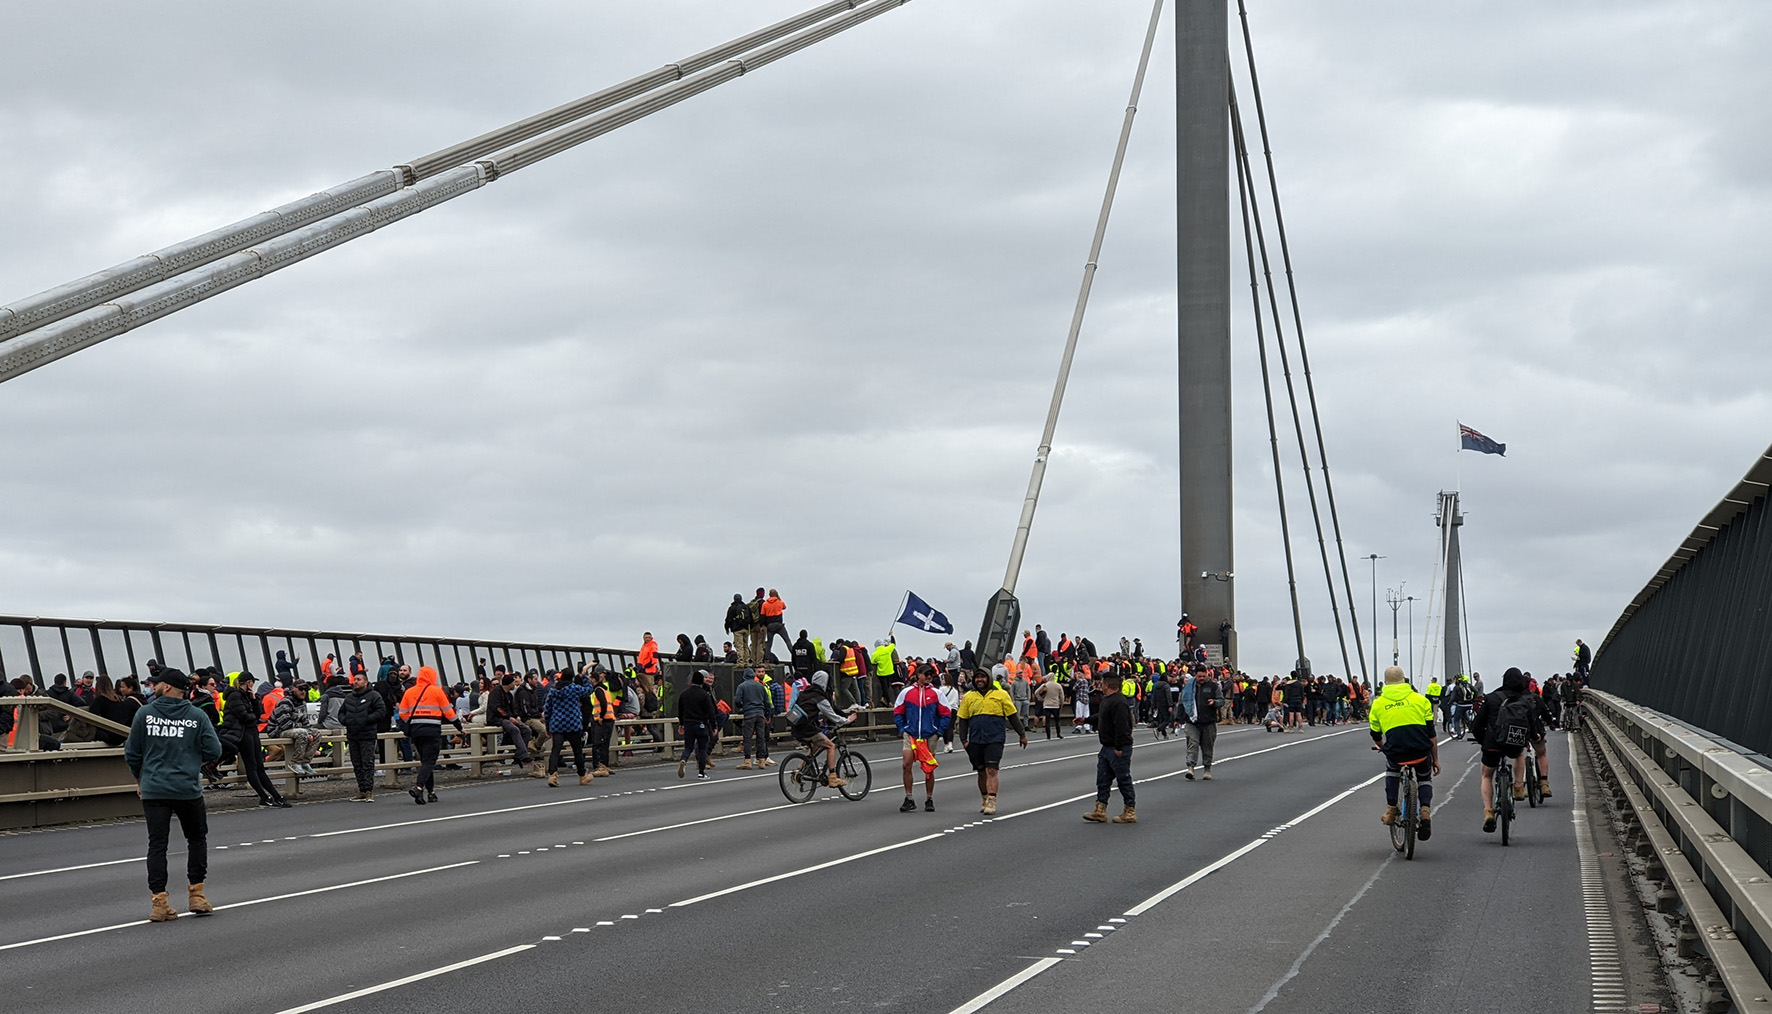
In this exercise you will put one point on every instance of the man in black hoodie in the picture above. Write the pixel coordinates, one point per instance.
(695, 716)
(1506, 721)
(1114, 763)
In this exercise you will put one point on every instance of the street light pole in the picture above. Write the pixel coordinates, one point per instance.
(1394, 596)
(1411, 600)
(1374, 557)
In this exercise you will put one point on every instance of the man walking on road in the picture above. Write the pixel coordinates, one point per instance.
(566, 724)
(1114, 762)
(695, 718)
(985, 713)
(1199, 698)
(921, 717)
(169, 742)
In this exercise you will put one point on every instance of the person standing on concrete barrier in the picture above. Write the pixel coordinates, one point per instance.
(1114, 762)
(738, 625)
(773, 609)
(754, 707)
(1200, 699)
(362, 713)
(424, 709)
(986, 712)
(169, 742)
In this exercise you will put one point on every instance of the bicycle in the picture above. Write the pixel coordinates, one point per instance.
(1534, 795)
(802, 773)
(1408, 821)
(1571, 717)
(1503, 791)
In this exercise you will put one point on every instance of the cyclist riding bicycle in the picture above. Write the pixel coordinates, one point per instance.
(1402, 723)
(1571, 701)
(1460, 700)
(815, 713)
(1507, 721)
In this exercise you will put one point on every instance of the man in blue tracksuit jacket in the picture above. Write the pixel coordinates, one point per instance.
(920, 716)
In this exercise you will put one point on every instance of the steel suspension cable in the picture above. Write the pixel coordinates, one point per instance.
(1291, 390)
(1244, 185)
(1298, 329)
(1019, 548)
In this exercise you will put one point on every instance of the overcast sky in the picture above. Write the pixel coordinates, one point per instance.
(801, 330)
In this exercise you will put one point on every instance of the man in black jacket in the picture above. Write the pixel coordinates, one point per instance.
(738, 624)
(695, 716)
(502, 711)
(363, 713)
(1114, 762)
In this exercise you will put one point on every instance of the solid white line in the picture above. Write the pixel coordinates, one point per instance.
(70, 869)
(1291, 973)
(243, 904)
(804, 870)
(397, 983)
(979, 1002)
(1193, 878)
(704, 820)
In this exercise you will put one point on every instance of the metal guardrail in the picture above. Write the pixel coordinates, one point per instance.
(1706, 808)
(44, 645)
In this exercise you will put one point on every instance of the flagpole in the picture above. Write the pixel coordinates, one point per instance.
(1458, 462)
(896, 613)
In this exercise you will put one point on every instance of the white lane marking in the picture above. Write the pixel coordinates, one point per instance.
(84, 866)
(979, 1002)
(692, 823)
(1605, 970)
(1291, 973)
(242, 904)
(804, 870)
(397, 983)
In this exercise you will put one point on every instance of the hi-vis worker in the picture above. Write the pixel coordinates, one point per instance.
(1402, 724)
(1434, 690)
(424, 709)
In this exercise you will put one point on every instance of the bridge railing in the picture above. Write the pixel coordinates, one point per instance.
(1705, 807)
(43, 646)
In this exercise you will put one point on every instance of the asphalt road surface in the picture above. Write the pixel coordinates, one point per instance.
(1272, 887)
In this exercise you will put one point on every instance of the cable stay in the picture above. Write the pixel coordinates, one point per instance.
(57, 322)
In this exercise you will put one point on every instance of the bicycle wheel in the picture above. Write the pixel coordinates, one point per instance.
(1411, 813)
(1504, 802)
(1534, 795)
(1398, 835)
(853, 768)
(798, 777)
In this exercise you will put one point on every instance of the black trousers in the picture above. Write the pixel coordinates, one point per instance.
(600, 734)
(363, 764)
(577, 739)
(428, 747)
(193, 820)
(252, 763)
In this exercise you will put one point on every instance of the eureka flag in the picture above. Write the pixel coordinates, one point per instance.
(917, 613)
(1471, 440)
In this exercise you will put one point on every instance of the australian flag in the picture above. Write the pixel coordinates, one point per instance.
(1471, 440)
(917, 613)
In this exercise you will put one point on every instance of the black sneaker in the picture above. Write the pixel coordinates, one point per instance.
(430, 797)
(417, 794)
(908, 805)
(1424, 829)
(928, 804)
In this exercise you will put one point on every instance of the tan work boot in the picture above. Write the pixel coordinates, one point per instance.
(743, 765)
(1097, 815)
(1519, 790)
(1544, 787)
(554, 780)
(990, 805)
(834, 782)
(765, 763)
(682, 766)
(1390, 816)
(537, 772)
(585, 779)
(199, 905)
(603, 771)
(163, 911)
(1129, 815)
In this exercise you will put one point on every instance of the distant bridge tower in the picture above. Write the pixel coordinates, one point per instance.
(1449, 521)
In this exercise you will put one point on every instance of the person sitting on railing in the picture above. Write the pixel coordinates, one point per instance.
(289, 720)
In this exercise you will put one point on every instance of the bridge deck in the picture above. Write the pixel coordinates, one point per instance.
(836, 904)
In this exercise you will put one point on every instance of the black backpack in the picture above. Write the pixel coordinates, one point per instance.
(1512, 724)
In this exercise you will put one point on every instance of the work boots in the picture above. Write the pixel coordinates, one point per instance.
(163, 911)
(1544, 787)
(1127, 816)
(834, 782)
(1390, 815)
(1097, 815)
(585, 779)
(744, 765)
(554, 780)
(1424, 827)
(990, 806)
(603, 771)
(537, 772)
(199, 905)
(1519, 790)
